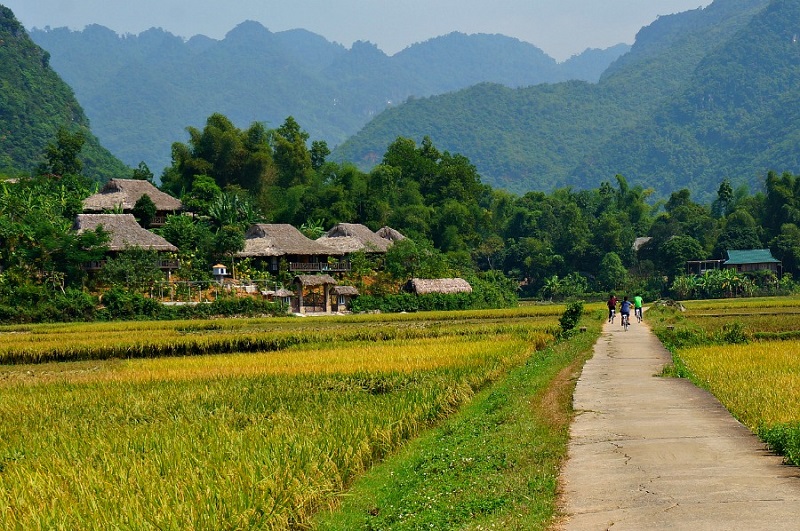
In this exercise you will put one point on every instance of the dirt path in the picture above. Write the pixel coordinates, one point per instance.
(658, 453)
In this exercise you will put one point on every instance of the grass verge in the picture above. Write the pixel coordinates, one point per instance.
(494, 465)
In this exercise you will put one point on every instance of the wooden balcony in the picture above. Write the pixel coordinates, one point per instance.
(319, 267)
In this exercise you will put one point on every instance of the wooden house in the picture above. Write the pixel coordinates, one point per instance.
(275, 242)
(745, 261)
(125, 233)
(122, 195)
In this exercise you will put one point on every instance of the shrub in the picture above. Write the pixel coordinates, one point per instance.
(571, 316)
(119, 303)
(783, 439)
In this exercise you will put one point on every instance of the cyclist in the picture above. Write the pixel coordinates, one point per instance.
(625, 310)
(637, 307)
(612, 306)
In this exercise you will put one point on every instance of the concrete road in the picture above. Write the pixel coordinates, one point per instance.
(658, 453)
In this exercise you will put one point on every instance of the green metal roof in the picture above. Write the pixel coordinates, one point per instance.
(751, 256)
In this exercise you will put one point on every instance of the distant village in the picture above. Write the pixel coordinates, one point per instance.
(314, 264)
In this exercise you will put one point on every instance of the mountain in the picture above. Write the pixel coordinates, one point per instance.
(646, 118)
(35, 103)
(142, 91)
(736, 117)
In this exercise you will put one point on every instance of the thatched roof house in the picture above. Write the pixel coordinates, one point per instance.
(388, 233)
(346, 291)
(423, 286)
(353, 237)
(124, 193)
(124, 232)
(276, 240)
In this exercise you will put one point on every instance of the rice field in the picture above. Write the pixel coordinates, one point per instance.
(745, 351)
(255, 439)
(759, 381)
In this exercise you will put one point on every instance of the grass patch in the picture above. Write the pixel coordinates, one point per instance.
(494, 464)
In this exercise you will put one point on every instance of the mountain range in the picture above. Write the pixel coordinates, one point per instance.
(702, 96)
(141, 91)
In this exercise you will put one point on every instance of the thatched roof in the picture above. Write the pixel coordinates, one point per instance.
(422, 286)
(388, 233)
(353, 237)
(312, 281)
(348, 291)
(124, 232)
(265, 240)
(640, 242)
(280, 292)
(125, 192)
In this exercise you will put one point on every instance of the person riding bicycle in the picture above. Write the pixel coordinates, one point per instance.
(637, 307)
(612, 306)
(625, 310)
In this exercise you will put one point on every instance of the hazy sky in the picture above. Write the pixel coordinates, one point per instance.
(559, 27)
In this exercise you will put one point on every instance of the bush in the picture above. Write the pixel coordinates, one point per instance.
(571, 316)
(119, 303)
(783, 439)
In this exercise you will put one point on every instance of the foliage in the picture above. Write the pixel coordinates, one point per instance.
(63, 156)
(612, 275)
(631, 122)
(572, 314)
(136, 269)
(144, 211)
(42, 124)
(783, 439)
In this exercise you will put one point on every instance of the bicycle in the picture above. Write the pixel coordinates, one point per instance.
(612, 314)
(638, 312)
(625, 321)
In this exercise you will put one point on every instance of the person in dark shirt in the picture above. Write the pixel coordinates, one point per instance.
(612, 306)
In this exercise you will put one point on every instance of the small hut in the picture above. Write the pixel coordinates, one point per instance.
(314, 293)
(424, 286)
(124, 193)
(343, 295)
(281, 295)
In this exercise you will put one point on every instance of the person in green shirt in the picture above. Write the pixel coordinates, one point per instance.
(637, 307)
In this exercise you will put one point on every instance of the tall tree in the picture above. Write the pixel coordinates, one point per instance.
(63, 155)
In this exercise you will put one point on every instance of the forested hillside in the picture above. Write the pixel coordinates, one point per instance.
(736, 117)
(35, 103)
(638, 121)
(141, 91)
